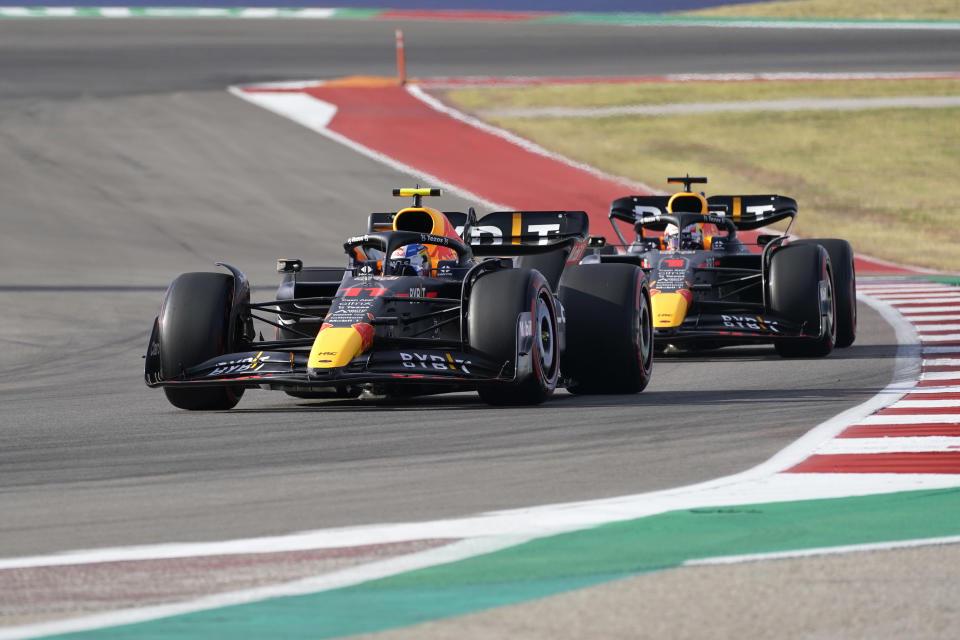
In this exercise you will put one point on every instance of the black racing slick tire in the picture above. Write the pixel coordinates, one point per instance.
(194, 327)
(796, 274)
(609, 328)
(497, 301)
(844, 286)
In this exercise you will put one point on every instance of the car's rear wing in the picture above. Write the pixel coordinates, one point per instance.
(746, 212)
(508, 233)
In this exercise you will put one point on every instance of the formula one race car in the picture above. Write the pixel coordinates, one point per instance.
(430, 302)
(714, 290)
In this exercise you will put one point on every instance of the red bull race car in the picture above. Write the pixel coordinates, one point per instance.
(429, 302)
(710, 288)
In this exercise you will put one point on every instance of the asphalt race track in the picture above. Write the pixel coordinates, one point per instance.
(125, 162)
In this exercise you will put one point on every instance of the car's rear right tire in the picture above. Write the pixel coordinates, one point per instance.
(194, 327)
(609, 328)
(796, 274)
(845, 286)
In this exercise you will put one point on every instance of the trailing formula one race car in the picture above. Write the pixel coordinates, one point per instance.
(712, 290)
(429, 302)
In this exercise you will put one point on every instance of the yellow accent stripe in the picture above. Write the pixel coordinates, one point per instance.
(419, 191)
(516, 229)
(736, 208)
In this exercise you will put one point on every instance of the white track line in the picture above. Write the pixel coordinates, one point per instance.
(925, 404)
(910, 444)
(928, 418)
(947, 337)
(745, 106)
(944, 389)
(921, 309)
(821, 551)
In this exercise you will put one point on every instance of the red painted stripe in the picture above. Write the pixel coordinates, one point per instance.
(901, 430)
(439, 14)
(928, 411)
(939, 383)
(924, 462)
(939, 313)
(946, 395)
(940, 368)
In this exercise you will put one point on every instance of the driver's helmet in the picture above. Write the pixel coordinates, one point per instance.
(691, 237)
(415, 255)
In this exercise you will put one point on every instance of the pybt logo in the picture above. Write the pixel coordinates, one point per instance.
(747, 322)
(433, 362)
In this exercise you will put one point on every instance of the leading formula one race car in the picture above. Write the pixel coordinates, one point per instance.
(428, 303)
(714, 290)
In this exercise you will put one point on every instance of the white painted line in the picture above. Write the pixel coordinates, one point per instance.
(115, 12)
(927, 300)
(947, 326)
(900, 288)
(334, 580)
(947, 337)
(919, 309)
(908, 297)
(942, 362)
(927, 418)
(939, 375)
(821, 551)
(925, 404)
(744, 106)
(921, 319)
(460, 81)
(910, 444)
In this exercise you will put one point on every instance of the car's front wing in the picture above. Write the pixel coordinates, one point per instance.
(288, 370)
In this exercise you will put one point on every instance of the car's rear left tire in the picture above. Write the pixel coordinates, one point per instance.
(795, 277)
(496, 302)
(609, 328)
(194, 327)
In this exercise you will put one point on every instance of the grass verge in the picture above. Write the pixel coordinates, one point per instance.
(843, 9)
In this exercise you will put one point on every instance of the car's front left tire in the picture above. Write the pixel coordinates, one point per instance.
(194, 326)
(497, 301)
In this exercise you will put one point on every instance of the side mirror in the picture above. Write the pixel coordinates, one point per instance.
(289, 265)
(765, 238)
(596, 242)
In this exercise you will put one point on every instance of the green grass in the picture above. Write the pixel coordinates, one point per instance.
(853, 9)
(885, 179)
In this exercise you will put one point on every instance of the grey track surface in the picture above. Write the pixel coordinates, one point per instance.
(125, 163)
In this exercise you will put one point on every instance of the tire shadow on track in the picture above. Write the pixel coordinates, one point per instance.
(646, 399)
(767, 354)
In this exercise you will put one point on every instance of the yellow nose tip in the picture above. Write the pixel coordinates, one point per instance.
(669, 309)
(335, 347)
